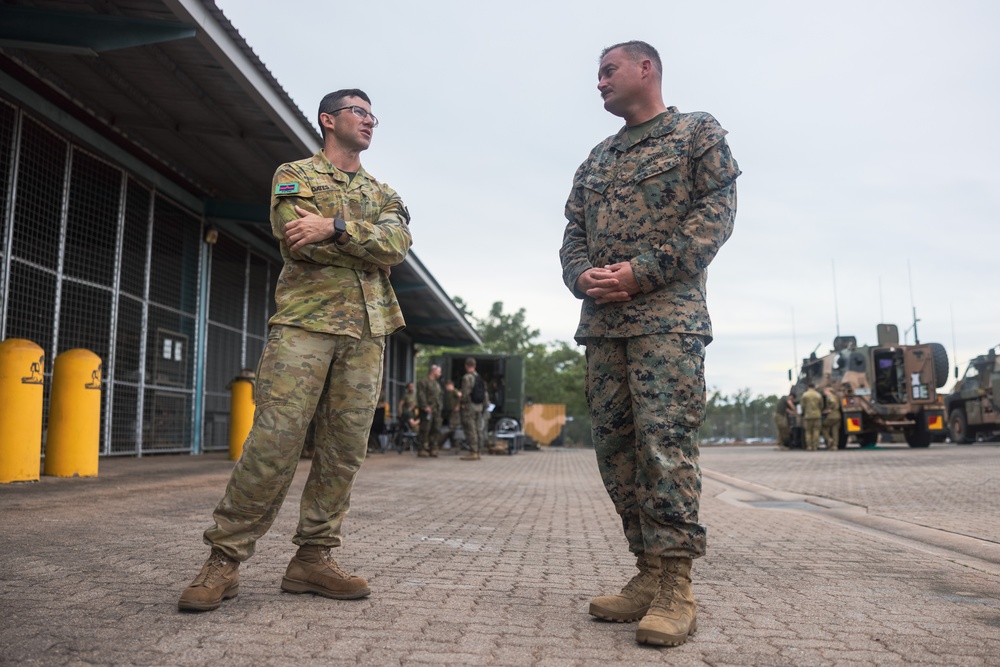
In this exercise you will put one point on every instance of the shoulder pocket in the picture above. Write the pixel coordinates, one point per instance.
(596, 181)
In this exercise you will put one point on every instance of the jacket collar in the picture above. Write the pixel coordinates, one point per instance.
(666, 125)
(323, 165)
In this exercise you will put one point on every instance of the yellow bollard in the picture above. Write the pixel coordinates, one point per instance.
(72, 448)
(241, 409)
(22, 369)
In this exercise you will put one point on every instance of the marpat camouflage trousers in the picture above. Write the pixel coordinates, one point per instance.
(302, 374)
(647, 400)
(430, 431)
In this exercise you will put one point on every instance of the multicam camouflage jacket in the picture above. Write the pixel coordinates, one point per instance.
(664, 203)
(331, 288)
(429, 394)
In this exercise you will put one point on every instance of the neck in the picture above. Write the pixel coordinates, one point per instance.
(644, 111)
(342, 158)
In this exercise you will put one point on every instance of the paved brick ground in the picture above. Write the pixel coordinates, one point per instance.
(484, 563)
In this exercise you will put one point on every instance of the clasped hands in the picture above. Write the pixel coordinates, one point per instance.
(612, 283)
(313, 228)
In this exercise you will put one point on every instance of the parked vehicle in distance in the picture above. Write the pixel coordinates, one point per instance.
(972, 405)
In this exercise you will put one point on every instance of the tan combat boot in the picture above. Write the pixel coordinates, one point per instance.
(471, 456)
(423, 454)
(218, 580)
(671, 618)
(312, 570)
(633, 602)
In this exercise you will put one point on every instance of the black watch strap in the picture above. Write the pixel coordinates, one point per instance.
(339, 228)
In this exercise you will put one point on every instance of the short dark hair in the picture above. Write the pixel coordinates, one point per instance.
(335, 100)
(637, 50)
(470, 362)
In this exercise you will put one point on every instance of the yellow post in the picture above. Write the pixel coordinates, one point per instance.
(241, 409)
(72, 448)
(22, 368)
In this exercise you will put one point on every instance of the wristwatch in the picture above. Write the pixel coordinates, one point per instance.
(339, 229)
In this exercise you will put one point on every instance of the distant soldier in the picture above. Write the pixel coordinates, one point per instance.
(407, 408)
(783, 409)
(473, 398)
(429, 405)
(831, 419)
(812, 416)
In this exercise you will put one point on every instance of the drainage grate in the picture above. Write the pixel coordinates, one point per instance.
(784, 505)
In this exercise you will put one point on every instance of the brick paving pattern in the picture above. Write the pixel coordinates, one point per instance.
(490, 563)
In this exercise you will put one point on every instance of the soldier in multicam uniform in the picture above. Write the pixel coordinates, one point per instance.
(429, 405)
(471, 411)
(812, 416)
(831, 419)
(648, 211)
(339, 231)
(783, 409)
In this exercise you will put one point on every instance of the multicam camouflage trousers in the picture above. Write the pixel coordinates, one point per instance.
(471, 415)
(302, 374)
(647, 400)
(430, 431)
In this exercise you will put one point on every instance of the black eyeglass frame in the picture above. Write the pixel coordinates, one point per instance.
(360, 112)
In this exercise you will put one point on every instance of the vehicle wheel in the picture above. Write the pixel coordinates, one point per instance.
(868, 439)
(940, 364)
(918, 436)
(958, 425)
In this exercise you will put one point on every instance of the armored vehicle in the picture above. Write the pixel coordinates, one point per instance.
(972, 405)
(886, 388)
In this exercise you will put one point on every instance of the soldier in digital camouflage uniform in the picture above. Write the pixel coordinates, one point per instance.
(471, 412)
(648, 211)
(339, 231)
(429, 405)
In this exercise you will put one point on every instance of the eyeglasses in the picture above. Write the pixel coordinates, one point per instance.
(360, 113)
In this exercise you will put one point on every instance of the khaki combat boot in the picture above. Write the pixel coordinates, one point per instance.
(471, 456)
(423, 454)
(671, 618)
(312, 570)
(218, 580)
(633, 602)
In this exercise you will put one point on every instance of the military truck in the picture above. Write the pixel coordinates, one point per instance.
(504, 378)
(886, 388)
(972, 405)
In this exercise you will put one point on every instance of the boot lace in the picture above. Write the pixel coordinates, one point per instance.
(332, 564)
(636, 584)
(664, 598)
(217, 562)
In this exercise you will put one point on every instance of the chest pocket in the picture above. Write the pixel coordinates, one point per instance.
(664, 184)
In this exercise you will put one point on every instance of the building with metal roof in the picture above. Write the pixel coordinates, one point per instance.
(138, 139)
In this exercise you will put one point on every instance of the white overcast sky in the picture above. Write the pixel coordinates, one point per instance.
(868, 134)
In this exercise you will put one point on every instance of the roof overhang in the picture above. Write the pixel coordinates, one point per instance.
(171, 86)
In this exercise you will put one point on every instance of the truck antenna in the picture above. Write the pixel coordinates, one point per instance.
(881, 309)
(916, 336)
(795, 347)
(836, 307)
(954, 346)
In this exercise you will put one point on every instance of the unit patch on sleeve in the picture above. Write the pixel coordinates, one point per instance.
(286, 189)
